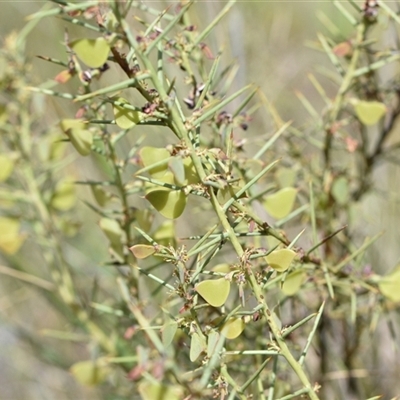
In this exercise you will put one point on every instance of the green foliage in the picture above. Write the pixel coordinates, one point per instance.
(232, 309)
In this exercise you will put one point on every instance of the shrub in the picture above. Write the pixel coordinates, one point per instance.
(227, 269)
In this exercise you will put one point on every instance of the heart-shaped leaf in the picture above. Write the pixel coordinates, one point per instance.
(153, 155)
(165, 234)
(280, 260)
(112, 230)
(159, 391)
(369, 112)
(64, 76)
(67, 124)
(10, 239)
(225, 268)
(233, 328)
(81, 138)
(197, 346)
(6, 167)
(56, 148)
(145, 219)
(215, 292)
(101, 196)
(64, 196)
(89, 373)
(177, 168)
(285, 177)
(142, 251)
(280, 204)
(190, 172)
(169, 203)
(293, 282)
(9, 226)
(124, 117)
(340, 190)
(168, 332)
(212, 341)
(93, 52)
(227, 193)
(389, 285)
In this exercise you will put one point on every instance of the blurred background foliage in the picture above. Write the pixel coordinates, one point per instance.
(274, 44)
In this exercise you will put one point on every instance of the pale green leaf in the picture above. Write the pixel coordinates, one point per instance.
(281, 203)
(6, 167)
(100, 195)
(89, 373)
(169, 203)
(197, 346)
(81, 138)
(142, 251)
(112, 230)
(340, 190)
(64, 196)
(215, 292)
(168, 332)
(212, 341)
(286, 177)
(225, 268)
(159, 391)
(153, 155)
(369, 112)
(233, 328)
(280, 260)
(124, 117)
(177, 168)
(389, 285)
(293, 282)
(93, 52)
(191, 177)
(165, 234)
(144, 218)
(10, 239)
